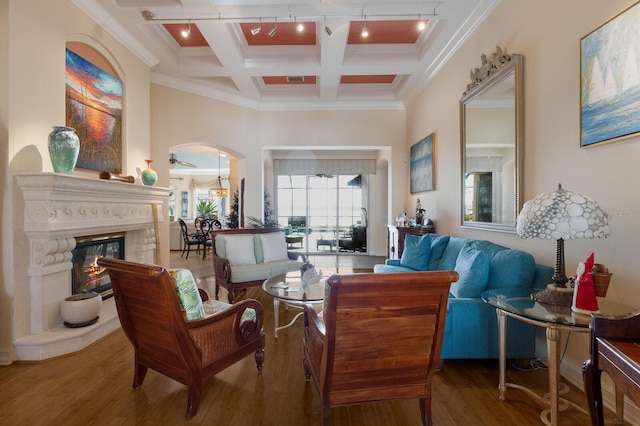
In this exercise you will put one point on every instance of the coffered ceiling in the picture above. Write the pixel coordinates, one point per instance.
(251, 52)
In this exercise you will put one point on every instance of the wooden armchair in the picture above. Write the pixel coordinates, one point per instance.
(613, 349)
(186, 351)
(380, 339)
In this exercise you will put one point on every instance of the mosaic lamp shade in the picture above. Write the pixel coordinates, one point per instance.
(562, 215)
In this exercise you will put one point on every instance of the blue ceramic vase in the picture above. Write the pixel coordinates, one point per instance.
(64, 147)
(149, 176)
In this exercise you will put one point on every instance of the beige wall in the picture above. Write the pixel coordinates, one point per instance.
(547, 33)
(250, 135)
(32, 84)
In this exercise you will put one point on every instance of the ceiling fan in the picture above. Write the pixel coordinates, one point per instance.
(173, 160)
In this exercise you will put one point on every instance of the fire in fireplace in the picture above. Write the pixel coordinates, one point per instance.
(87, 275)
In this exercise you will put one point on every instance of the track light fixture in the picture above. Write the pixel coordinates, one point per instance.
(273, 30)
(151, 17)
(326, 27)
(365, 31)
(422, 25)
(256, 30)
(187, 32)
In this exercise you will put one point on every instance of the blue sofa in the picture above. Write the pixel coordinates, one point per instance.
(471, 329)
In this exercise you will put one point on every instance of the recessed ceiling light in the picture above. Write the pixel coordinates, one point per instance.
(422, 25)
(300, 27)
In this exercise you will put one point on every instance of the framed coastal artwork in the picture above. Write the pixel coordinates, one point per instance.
(94, 109)
(610, 80)
(421, 165)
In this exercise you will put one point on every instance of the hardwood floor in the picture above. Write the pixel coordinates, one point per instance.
(93, 387)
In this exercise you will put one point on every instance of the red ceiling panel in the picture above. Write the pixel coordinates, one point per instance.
(384, 32)
(307, 79)
(367, 79)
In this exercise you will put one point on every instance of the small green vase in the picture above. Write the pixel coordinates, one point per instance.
(149, 176)
(64, 147)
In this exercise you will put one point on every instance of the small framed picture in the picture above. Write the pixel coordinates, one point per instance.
(421, 178)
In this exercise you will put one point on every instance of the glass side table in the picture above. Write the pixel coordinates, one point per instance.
(517, 303)
(287, 288)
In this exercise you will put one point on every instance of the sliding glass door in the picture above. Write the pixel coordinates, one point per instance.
(320, 212)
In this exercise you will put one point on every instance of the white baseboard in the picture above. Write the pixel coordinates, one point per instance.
(7, 356)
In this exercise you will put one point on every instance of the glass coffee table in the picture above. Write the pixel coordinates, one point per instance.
(517, 303)
(288, 289)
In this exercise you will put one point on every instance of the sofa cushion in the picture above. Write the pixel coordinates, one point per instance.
(416, 252)
(511, 268)
(257, 248)
(274, 246)
(239, 249)
(438, 244)
(284, 266)
(245, 273)
(451, 251)
(221, 249)
(188, 293)
(391, 268)
(472, 267)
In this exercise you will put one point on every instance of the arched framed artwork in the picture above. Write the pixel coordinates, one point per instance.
(94, 108)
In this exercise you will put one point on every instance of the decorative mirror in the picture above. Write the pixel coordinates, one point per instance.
(491, 128)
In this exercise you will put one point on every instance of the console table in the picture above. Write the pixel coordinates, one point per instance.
(396, 234)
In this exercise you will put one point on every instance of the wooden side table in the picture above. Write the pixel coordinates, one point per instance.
(396, 234)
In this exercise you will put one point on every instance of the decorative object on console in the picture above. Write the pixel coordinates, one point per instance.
(149, 176)
(419, 213)
(64, 147)
(81, 310)
(601, 279)
(584, 294)
(561, 215)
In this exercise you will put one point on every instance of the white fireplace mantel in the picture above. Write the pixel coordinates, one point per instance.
(50, 211)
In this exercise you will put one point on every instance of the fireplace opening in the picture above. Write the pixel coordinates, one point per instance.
(87, 275)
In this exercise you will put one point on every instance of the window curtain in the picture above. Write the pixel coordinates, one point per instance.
(203, 184)
(327, 167)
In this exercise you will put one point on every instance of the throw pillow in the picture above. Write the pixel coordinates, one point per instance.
(188, 293)
(212, 307)
(239, 249)
(274, 246)
(416, 252)
(472, 267)
(438, 244)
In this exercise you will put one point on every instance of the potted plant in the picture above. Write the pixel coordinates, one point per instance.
(207, 209)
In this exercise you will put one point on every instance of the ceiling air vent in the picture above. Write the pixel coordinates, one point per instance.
(295, 79)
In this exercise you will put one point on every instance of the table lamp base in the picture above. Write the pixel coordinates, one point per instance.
(556, 296)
